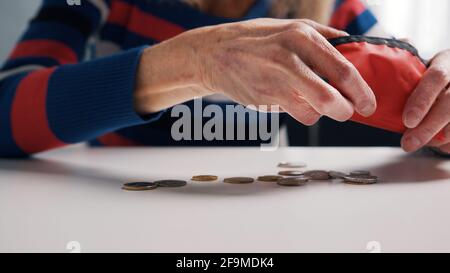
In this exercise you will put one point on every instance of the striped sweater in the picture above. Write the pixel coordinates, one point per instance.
(70, 78)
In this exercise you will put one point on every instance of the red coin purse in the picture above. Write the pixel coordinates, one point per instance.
(392, 69)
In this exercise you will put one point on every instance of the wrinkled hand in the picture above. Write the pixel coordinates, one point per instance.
(278, 62)
(427, 111)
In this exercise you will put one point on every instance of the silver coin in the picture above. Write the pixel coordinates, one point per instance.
(171, 183)
(291, 165)
(290, 173)
(357, 173)
(361, 179)
(317, 175)
(139, 186)
(293, 181)
(337, 175)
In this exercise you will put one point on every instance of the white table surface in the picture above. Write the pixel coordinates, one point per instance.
(75, 194)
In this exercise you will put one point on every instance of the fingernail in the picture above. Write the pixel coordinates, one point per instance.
(412, 118)
(412, 143)
(366, 108)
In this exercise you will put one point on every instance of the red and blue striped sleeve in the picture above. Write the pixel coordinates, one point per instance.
(353, 17)
(50, 97)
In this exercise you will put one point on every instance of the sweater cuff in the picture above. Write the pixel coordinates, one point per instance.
(93, 98)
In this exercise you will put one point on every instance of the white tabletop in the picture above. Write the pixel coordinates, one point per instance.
(75, 194)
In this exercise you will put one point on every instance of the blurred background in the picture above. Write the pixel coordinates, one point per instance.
(424, 22)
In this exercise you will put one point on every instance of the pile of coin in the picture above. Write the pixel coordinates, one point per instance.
(288, 178)
(355, 177)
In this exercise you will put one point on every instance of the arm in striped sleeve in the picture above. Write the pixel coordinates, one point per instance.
(49, 97)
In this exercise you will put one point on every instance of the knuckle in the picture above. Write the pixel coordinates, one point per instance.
(299, 24)
(422, 102)
(294, 26)
(439, 74)
(308, 21)
(427, 132)
(287, 36)
(303, 33)
(305, 21)
(345, 71)
(325, 100)
(291, 60)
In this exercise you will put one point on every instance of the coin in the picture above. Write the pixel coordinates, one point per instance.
(204, 178)
(357, 173)
(292, 165)
(139, 186)
(317, 175)
(239, 180)
(171, 183)
(361, 180)
(269, 178)
(337, 175)
(290, 173)
(293, 181)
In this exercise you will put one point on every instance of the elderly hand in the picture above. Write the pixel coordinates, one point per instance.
(256, 62)
(427, 111)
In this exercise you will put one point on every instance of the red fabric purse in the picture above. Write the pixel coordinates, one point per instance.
(392, 69)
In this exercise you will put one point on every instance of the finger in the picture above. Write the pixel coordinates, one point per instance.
(304, 83)
(300, 110)
(433, 123)
(268, 26)
(326, 31)
(330, 63)
(434, 81)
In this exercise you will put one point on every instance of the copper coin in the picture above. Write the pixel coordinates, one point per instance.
(171, 183)
(239, 180)
(269, 178)
(139, 186)
(204, 178)
(318, 175)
